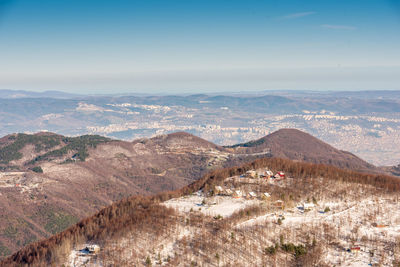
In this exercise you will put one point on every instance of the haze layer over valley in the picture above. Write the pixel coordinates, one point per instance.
(364, 123)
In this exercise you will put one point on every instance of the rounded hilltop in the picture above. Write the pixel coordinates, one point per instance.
(297, 145)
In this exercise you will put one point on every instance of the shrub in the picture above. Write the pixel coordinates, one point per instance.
(298, 250)
(218, 217)
(37, 169)
(314, 200)
(270, 250)
(148, 261)
(4, 251)
(288, 247)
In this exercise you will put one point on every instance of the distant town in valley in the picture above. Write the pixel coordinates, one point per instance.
(364, 123)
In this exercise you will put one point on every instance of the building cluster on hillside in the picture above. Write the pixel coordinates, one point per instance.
(280, 208)
(265, 174)
(258, 177)
(261, 176)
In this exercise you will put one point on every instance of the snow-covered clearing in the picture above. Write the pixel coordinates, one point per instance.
(365, 221)
(80, 257)
(214, 206)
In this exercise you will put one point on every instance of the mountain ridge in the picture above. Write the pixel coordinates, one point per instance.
(80, 175)
(135, 213)
(298, 145)
(49, 181)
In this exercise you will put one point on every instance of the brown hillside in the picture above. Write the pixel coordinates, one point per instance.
(181, 140)
(36, 205)
(136, 213)
(297, 145)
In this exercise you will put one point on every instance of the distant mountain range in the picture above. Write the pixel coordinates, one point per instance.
(364, 123)
(4, 93)
(378, 94)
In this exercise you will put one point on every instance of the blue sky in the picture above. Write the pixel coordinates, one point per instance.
(199, 46)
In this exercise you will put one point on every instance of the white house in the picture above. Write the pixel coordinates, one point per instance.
(237, 194)
(93, 249)
(252, 194)
(218, 189)
(265, 196)
(228, 192)
(308, 206)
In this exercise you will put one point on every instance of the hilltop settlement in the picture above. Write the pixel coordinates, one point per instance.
(265, 218)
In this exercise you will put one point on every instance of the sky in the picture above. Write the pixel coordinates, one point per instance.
(186, 46)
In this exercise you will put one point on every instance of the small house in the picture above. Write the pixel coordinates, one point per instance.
(308, 206)
(252, 195)
(218, 190)
(279, 204)
(74, 157)
(280, 175)
(237, 194)
(265, 196)
(355, 249)
(251, 174)
(228, 192)
(269, 174)
(93, 249)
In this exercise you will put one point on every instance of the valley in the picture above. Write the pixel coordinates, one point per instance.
(363, 123)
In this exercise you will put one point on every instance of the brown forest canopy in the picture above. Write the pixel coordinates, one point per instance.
(130, 213)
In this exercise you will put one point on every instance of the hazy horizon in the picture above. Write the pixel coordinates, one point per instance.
(205, 92)
(157, 47)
